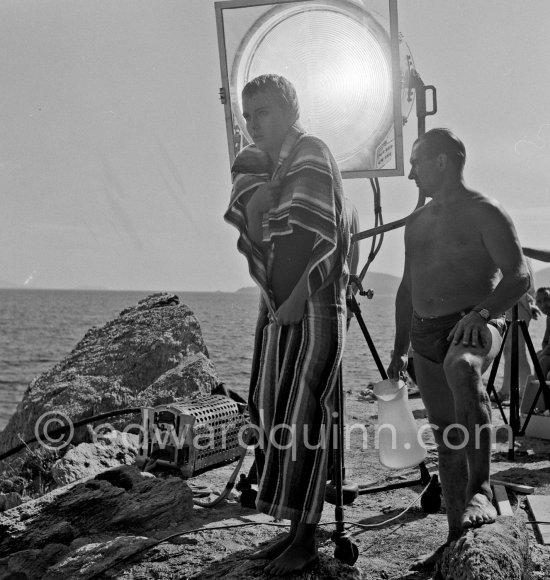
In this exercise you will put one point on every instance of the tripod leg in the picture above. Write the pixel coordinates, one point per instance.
(543, 387)
(354, 306)
(514, 382)
(494, 368)
(338, 461)
(517, 428)
(357, 312)
(346, 551)
(339, 490)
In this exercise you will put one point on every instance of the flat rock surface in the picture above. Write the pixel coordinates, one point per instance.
(216, 542)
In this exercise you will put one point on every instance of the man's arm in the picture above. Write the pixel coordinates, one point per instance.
(403, 318)
(545, 352)
(546, 337)
(501, 241)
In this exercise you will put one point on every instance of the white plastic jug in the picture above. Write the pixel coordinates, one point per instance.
(398, 444)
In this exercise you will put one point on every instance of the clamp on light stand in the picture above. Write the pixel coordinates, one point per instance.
(420, 89)
(355, 309)
(417, 85)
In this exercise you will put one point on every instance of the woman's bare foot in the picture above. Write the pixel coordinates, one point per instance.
(296, 559)
(273, 549)
(479, 511)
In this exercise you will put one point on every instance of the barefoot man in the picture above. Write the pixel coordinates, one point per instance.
(463, 268)
(287, 203)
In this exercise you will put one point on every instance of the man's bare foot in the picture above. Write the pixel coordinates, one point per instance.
(273, 549)
(429, 560)
(479, 511)
(296, 559)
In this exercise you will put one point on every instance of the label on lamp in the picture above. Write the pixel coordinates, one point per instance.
(385, 152)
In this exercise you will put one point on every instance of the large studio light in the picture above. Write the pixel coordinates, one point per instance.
(344, 63)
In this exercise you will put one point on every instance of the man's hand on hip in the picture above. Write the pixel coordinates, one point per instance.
(469, 330)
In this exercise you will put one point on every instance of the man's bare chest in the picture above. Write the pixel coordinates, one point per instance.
(445, 235)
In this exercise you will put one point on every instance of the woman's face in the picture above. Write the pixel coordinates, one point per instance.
(267, 122)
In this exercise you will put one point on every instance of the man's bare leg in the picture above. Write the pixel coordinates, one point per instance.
(300, 556)
(463, 370)
(453, 470)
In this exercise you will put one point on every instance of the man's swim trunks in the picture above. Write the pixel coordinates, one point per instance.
(429, 335)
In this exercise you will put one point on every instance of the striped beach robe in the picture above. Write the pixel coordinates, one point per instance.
(295, 368)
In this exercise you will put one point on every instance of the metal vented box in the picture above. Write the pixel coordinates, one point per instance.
(192, 436)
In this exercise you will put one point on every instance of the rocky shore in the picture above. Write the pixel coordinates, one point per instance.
(81, 508)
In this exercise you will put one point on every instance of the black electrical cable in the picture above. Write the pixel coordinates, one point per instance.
(377, 239)
(64, 428)
(155, 543)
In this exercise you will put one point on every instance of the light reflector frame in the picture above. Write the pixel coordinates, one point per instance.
(342, 59)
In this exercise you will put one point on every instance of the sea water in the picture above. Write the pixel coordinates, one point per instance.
(38, 328)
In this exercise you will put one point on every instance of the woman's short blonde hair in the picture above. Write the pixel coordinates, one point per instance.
(277, 85)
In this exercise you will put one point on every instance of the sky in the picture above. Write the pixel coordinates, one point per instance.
(114, 169)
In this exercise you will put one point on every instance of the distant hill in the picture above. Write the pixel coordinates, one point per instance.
(380, 283)
(247, 290)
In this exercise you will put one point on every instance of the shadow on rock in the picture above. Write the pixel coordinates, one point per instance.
(237, 566)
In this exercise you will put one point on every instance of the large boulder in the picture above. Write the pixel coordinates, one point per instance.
(118, 499)
(90, 459)
(93, 558)
(151, 353)
(499, 551)
(32, 564)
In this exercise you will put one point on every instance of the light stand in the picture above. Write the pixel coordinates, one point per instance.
(345, 550)
(431, 499)
(518, 429)
(338, 491)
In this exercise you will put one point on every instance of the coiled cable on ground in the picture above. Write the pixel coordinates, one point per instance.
(142, 549)
(228, 486)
